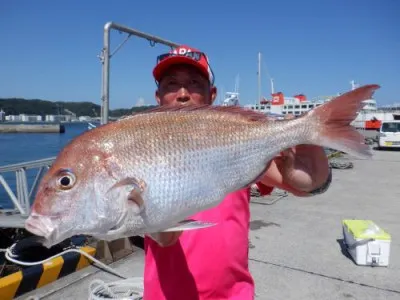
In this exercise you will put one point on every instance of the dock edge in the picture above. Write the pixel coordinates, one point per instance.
(34, 277)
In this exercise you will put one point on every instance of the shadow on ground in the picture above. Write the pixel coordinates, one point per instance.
(344, 250)
(258, 224)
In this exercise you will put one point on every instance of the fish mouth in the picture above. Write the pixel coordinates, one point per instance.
(34, 228)
(41, 226)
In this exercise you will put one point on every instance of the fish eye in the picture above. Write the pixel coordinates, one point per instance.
(66, 180)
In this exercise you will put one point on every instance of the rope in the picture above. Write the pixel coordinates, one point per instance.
(130, 288)
(279, 194)
(125, 289)
(341, 164)
(370, 141)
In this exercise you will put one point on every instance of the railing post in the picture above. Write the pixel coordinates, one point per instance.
(24, 190)
(21, 199)
(12, 196)
(36, 181)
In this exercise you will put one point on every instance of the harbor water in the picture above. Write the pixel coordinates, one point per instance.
(23, 147)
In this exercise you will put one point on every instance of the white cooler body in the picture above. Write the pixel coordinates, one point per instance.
(367, 244)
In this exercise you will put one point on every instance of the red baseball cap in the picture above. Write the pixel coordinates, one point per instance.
(183, 55)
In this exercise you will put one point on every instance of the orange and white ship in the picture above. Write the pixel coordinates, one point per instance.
(370, 117)
(279, 104)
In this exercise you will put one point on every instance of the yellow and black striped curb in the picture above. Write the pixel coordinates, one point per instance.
(34, 277)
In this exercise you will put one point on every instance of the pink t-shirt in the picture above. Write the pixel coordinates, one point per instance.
(209, 263)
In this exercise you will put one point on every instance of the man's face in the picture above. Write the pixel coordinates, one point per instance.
(184, 85)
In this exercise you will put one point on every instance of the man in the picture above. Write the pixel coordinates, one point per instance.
(212, 263)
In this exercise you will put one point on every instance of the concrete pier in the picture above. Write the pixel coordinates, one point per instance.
(31, 128)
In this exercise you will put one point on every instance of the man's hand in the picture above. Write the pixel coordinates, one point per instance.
(298, 170)
(165, 239)
(304, 167)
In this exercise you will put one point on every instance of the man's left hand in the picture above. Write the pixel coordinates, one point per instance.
(303, 168)
(298, 170)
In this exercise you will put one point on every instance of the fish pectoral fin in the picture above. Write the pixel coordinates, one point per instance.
(136, 197)
(189, 225)
(135, 188)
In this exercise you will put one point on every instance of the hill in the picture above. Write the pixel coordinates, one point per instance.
(16, 106)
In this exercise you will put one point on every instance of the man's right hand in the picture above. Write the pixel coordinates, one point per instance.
(165, 239)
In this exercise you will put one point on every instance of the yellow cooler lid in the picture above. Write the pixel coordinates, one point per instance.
(365, 229)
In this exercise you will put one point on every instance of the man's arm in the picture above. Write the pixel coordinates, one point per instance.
(165, 239)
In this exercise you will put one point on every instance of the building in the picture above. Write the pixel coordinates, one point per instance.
(2, 116)
(30, 118)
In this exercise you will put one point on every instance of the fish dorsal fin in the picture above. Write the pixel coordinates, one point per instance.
(247, 113)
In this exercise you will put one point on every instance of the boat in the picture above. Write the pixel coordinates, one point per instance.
(284, 105)
(370, 117)
(232, 98)
(91, 126)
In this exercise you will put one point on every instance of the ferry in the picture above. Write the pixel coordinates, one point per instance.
(299, 104)
(370, 117)
(281, 105)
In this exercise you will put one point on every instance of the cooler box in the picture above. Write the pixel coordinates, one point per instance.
(366, 242)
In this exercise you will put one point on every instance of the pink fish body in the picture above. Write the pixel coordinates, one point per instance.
(147, 172)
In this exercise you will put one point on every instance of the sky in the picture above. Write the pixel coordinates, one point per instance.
(49, 49)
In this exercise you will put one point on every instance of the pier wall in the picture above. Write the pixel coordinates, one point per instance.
(32, 128)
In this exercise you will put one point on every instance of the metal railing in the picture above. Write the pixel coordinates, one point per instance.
(106, 55)
(22, 201)
(24, 194)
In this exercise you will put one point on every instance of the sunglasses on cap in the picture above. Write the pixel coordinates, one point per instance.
(193, 55)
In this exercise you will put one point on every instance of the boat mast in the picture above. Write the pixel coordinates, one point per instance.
(237, 84)
(259, 78)
(272, 86)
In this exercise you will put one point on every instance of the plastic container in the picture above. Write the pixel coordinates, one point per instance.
(366, 242)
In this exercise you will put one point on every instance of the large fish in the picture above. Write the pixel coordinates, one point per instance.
(149, 171)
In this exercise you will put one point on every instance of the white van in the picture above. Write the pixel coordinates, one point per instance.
(389, 134)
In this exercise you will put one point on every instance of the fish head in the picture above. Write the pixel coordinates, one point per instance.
(76, 196)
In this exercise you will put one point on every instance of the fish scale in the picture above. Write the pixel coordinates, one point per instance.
(237, 163)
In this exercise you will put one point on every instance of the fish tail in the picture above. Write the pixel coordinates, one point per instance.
(333, 118)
